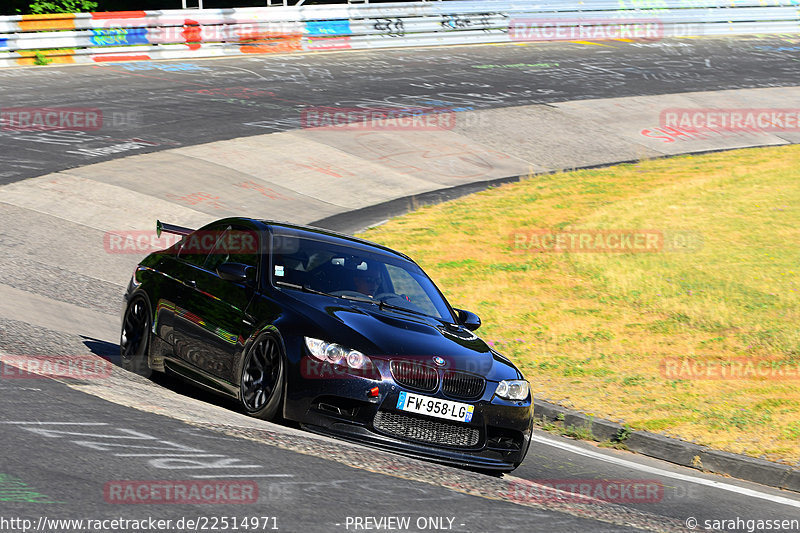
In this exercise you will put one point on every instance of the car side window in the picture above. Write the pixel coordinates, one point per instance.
(193, 251)
(234, 244)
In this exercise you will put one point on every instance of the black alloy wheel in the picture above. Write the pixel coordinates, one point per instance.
(135, 336)
(262, 380)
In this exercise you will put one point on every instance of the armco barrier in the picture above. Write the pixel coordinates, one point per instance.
(173, 34)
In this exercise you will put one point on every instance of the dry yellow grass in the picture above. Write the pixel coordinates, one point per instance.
(591, 330)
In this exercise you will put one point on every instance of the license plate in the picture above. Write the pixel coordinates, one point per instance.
(425, 405)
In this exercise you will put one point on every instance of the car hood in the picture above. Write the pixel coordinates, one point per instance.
(392, 334)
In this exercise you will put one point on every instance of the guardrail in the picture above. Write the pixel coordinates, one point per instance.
(173, 34)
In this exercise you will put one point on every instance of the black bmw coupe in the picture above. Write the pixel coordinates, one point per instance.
(342, 335)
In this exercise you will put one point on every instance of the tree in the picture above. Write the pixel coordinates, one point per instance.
(62, 6)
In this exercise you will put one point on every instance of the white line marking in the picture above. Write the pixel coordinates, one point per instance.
(169, 455)
(58, 423)
(659, 472)
(243, 475)
(250, 71)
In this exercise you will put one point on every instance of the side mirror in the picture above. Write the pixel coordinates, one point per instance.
(468, 319)
(236, 272)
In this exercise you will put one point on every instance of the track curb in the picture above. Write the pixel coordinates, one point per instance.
(676, 451)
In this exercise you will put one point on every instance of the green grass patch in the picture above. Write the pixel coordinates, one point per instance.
(593, 329)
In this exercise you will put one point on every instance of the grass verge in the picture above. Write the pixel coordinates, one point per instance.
(597, 331)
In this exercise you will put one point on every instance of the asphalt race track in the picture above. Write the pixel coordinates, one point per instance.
(179, 103)
(65, 443)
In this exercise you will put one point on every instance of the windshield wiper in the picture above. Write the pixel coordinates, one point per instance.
(358, 299)
(303, 288)
(382, 304)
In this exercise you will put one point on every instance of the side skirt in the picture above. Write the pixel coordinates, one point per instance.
(201, 378)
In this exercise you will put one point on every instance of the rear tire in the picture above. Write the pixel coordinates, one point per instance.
(263, 377)
(135, 337)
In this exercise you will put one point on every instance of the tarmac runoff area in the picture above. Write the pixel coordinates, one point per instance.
(345, 178)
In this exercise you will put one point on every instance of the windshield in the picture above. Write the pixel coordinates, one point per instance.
(353, 272)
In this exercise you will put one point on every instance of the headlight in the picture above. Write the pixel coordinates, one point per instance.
(512, 389)
(336, 354)
(356, 359)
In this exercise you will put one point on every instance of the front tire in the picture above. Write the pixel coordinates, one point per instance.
(263, 376)
(135, 337)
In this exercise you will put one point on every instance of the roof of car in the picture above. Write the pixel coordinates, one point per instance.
(330, 233)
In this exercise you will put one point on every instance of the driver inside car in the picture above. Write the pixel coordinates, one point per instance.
(366, 282)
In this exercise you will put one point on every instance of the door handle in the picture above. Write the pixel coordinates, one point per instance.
(192, 283)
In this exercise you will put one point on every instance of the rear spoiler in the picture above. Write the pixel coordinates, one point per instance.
(171, 228)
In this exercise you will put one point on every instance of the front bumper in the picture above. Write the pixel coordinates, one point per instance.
(496, 439)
